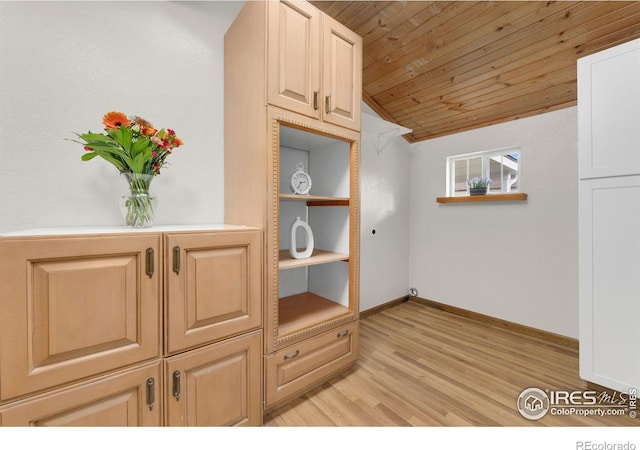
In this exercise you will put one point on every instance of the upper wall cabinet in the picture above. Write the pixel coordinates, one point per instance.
(609, 112)
(314, 64)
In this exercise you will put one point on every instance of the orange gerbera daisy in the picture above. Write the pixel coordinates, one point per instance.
(115, 119)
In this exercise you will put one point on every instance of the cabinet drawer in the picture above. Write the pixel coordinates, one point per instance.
(75, 307)
(129, 398)
(293, 369)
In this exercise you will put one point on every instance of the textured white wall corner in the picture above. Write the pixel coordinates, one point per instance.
(384, 195)
(515, 261)
(64, 64)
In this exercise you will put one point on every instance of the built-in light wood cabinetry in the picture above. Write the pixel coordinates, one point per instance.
(311, 304)
(82, 327)
(313, 63)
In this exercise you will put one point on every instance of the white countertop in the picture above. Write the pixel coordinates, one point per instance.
(63, 231)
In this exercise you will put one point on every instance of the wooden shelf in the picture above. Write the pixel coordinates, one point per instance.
(303, 311)
(519, 196)
(286, 261)
(316, 200)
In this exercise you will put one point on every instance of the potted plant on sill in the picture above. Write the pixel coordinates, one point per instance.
(478, 185)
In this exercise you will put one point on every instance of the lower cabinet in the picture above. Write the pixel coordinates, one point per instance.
(129, 398)
(293, 369)
(121, 328)
(216, 385)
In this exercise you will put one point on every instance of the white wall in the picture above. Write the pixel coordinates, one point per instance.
(384, 193)
(515, 261)
(64, 64)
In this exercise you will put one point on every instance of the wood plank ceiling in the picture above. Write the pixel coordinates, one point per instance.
(440, 67)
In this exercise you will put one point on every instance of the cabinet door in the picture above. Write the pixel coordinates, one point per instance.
(342, 74)
(293, 57)
(130, 398)
(609, 112)
(213, 286)
(609, 282)
(217, 385)
(74, 307)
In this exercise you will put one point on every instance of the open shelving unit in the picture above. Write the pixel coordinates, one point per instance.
(314, 290)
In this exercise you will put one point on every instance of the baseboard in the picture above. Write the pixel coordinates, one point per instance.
(380, 308)
(547, 336)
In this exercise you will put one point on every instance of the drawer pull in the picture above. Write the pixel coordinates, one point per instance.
(176, 384)
(293, 355)
(151, 393)
(343, 334)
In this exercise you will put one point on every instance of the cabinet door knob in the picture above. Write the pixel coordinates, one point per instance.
(315, 100)
(293, 355)
(327, 104)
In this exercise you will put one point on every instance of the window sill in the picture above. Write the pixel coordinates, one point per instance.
(519, 196)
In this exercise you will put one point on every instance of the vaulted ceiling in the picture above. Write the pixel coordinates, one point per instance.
(440, 67)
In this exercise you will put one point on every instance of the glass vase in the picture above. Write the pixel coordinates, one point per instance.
(138, 206)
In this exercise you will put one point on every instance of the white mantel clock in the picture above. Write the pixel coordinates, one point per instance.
(300, 182)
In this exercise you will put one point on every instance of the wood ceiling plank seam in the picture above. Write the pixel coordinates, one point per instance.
(567, 56)
(334, 9)
(391, 25)
(373, 24)
(496, 114)
(514, 105)
(421, 135)
(428, 33)
(488, 72)
(461, 69)
(615, 38)
(460, 43)
(534, 86)
(369, 17)
(381, 43)
(536, 74)
(357, 13)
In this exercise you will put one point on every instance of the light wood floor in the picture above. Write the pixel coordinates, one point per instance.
(420, 366)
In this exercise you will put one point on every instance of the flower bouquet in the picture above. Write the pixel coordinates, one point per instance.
(138, 150)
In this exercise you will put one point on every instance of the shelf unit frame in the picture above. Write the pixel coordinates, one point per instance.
(318, 319)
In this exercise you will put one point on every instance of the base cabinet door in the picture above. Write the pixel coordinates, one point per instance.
(129, 398)
(216, 385)
(294, 369)
(73, 307)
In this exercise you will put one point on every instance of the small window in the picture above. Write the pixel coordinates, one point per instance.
(501, 166)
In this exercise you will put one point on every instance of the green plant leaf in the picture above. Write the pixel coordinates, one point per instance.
(138, 163)
(94, 137)
(127, 136)
(140, 146)
(89, 155)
